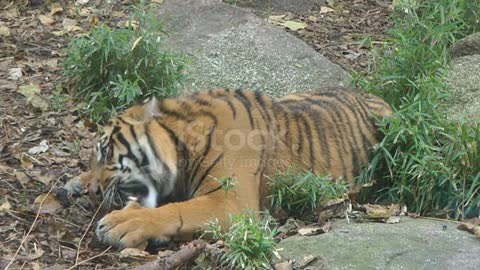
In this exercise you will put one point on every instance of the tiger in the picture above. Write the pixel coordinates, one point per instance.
(171, 154)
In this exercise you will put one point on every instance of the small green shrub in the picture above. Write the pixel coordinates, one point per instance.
(299, 192)
(249, 242)
(111, 68)
(424, 160)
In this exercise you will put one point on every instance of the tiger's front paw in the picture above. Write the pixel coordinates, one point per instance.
(132, 228)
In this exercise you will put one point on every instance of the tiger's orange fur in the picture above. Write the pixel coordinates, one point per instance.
(179, 148)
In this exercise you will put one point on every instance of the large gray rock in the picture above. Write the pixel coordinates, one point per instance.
(469, 45)
(463, 80)
(233, 48)
(410, 244)
(262, 7)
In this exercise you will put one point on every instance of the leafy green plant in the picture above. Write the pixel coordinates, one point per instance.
(249, 242)
(423, 160)
(298, 191)
(227, 183)
(111, 68)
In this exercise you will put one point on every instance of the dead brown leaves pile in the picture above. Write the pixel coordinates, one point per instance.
(471, 225)
(344, 30)
(42, 141)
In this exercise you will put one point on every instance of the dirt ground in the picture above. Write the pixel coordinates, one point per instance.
(43, 142)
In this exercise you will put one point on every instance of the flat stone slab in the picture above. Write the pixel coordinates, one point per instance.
(409, 244)
(231, 47)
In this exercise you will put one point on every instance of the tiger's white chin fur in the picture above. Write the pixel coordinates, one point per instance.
(151, 200)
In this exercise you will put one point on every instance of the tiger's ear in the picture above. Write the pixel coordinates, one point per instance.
(151, 108)
(143, 111)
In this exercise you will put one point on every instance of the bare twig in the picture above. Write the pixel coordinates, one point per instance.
(89, 259)
(33, 224)
(86, 231)
(186, 254)
(8, 212)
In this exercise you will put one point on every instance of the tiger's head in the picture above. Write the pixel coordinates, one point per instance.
(133, 157)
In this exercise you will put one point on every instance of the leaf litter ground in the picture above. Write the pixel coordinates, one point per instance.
(43, 142)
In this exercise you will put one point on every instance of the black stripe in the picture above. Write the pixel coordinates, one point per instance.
(144, 160)
(176, 114)
(375, 101)
(355, 106)
(309, 139)
(121, 139)
(214, 190)
(230, 105)
(198, 163)
(205, 174)
(288, 138)
(300, 134)
(349, 139)
(364, 116)
(183, 164)
(261, 105)
(202, 102)
(166, 169)
(246, 103)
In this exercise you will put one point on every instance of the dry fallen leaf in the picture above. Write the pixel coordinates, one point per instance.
(308, 231)
(4, 31)
(286, 265)
(325, 9)
(22, 178)
(50, 204)
(4, 207)
(294, 25)
(26, 161)
(378, 211)
(93, 21)
(85, 12)
(306, 260)
(58, 33)
(70, 25)
(6, 169)
(392, 220)
(476, 231)
(133, 252)
(36, 266)
(51, 63)
(336, 208)
(45, 179)
(28, 90)
(45, 20)
(38, 253)
(55, 10)
(14, 74)
(39, 102)
(281, 21)
(81, 2)
(470, 225)
(314, 230)
(41, 148)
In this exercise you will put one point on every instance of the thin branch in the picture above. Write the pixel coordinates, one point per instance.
(186, 254)
(33, 224)
(89, 259)
(86, 231)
